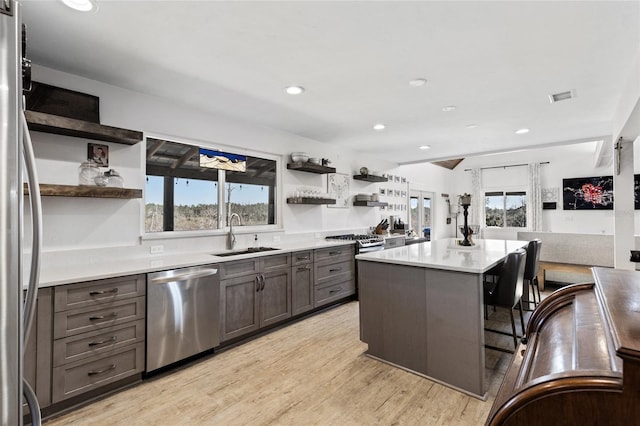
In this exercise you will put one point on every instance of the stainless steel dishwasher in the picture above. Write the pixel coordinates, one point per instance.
(182, 314)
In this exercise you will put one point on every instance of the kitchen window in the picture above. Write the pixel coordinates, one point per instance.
(506, 209)
(184, 191)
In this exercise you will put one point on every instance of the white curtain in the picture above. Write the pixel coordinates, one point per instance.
(477, 199)
(534, 204)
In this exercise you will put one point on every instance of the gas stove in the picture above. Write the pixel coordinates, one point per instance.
(364, 242)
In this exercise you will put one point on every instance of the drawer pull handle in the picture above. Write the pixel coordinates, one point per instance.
(99, 292)
(335, 269)
(303, 258)
(104, 370)
(335, 290)
(303, 268)
(102, 342)
(333, 253)
(99, 317)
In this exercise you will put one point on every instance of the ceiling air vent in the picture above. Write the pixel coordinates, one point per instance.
(562, 96)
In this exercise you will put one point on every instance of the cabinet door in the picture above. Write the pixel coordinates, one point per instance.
(37, 352)
(301, 288)
(239, 303)
(275, 297)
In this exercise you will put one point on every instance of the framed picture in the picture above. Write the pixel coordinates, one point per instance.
(99, 154)
(589, 193)
(382, 191)
(390, 177)
(404, 180)
(338, 188)
(403, 194)
(636, 191)
(397, 178)
(397, 192)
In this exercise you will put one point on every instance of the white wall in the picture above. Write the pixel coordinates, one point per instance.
(83, 223)
(568, 161)
(439, 180)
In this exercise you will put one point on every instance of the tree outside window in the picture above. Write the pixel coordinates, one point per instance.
(506, 209)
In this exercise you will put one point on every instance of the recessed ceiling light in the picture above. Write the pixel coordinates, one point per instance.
(471, 126)
(522, 131)
(417, 82)
(81, 5)
(449, 108)
(379, 126)
(424, 147)
(294, 90)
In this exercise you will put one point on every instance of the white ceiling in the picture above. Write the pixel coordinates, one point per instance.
(496, 61)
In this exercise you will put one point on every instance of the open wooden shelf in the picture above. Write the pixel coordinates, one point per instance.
(49, 123)
(311, 168)
(370, 178)
(316, 201)
(369, 203)
(49, 190)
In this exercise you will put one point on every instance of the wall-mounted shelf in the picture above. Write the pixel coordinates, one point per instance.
(370, 178)
(315, 201)
(369, 203)
(49, 190)
(311, 168)
(49, 123)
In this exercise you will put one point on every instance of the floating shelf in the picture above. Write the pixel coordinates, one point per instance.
(48, 190)
(49, 123)
(370, 178)
(316, 201)
(311, 168)
(369, 203)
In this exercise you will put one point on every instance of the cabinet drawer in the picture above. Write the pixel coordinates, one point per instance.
(334, 254)
(78, 321)
(330, 293)
(269, 263)
(71, 349)
(82, 376)
(239, 268)
(301, 257)
(326, 272)
(86, 294)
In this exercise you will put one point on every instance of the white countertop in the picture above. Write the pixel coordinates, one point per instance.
(71, 271)
(446, 254)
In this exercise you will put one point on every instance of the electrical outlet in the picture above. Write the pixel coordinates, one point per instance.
(156, 249)
(276, 238)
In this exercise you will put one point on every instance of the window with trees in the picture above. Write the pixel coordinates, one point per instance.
(506, 209)
(183, 193)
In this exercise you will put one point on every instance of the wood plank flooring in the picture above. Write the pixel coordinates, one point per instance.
(313, 372)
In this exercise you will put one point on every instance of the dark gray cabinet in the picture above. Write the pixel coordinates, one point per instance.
(334, 274)
(37, 352)
(99, 335)
(254, 293)
(301, 282)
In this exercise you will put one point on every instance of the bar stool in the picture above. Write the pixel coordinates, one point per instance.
(531, 271)
(507, 293)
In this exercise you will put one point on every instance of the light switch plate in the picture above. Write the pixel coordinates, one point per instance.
(156, 249)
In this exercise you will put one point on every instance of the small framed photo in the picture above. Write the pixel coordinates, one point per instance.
(397, 178)
(390, 192)
(99, 154)
(390, 177)
(382, 191)
(403, 194)
(397, 192)
(404, 180)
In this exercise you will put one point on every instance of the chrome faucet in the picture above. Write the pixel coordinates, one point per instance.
(231, 238)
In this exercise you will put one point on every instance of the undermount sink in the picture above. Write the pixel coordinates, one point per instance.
(245, 251)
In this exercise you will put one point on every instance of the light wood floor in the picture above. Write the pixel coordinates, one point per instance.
(313, 372)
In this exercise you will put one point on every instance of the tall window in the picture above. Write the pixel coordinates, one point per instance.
(420, 213)
(184, 195)
(506, 209)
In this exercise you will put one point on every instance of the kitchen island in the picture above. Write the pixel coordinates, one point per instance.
(421, 308)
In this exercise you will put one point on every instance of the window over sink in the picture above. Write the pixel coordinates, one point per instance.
(183, 194)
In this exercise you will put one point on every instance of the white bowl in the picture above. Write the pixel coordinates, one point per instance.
(299, 157)
(314, 160)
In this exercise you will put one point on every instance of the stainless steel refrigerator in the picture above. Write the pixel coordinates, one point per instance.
(16, 167)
